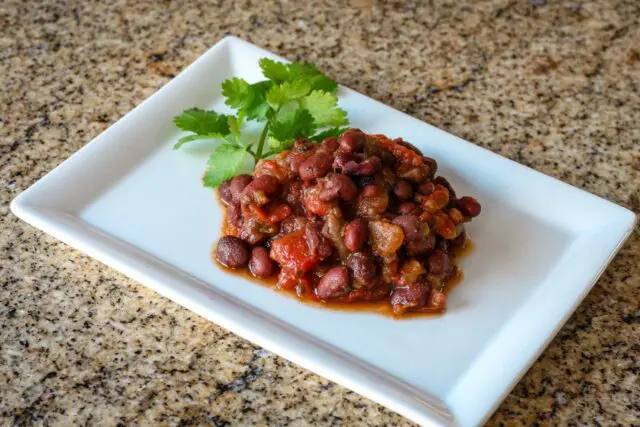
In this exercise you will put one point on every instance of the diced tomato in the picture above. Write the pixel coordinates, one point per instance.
(292, 252)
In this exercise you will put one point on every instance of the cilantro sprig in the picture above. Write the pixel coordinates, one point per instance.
(296, 100)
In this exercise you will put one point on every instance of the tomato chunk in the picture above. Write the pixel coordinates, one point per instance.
(292, 252)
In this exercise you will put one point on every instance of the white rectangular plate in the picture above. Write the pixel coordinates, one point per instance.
(131, 202)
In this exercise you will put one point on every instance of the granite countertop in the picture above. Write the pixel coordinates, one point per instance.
(552, 85)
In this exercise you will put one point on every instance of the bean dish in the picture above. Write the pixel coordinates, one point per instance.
(351, 220)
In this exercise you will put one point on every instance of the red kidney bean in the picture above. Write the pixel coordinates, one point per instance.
(237, 184)
(355, 235)
(421, 245)
(338, 186)
(352, 140)
(293, 196)
(469, 206)
(446, 184)
(403, 190)
(426, 188)
(431, 166)
(438, 263)
(408, 145)
(297, 159)
(409, 208)
(461, 240)
(362, 268)
(317, 243)
(334, 283)
(225, 192)
(315, 167)
(409, 297)
(260, 264)
(366, 167)
(232, 252)
(372, 190)
(341, 159)
(259, 190)
(331, 144)
(234, 214)
(410, 226)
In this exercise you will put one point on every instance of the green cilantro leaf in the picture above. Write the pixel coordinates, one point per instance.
(237, 91)
(259, 109)
(205, 125)
(190, 138)
(223, 164)
(323, 106)
(294, 124)
(273, 70)
(324, 83)
(286, 92)
(250, 99)
(279, 73)
(202, 122)
(329, 133)
(302, 70)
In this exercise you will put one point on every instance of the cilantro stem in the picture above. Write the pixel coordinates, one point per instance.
(263, 137)
(250, 151)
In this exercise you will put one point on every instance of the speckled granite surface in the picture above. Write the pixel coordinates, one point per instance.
(553, 85)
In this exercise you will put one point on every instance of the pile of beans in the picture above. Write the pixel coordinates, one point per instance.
(355, 218)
